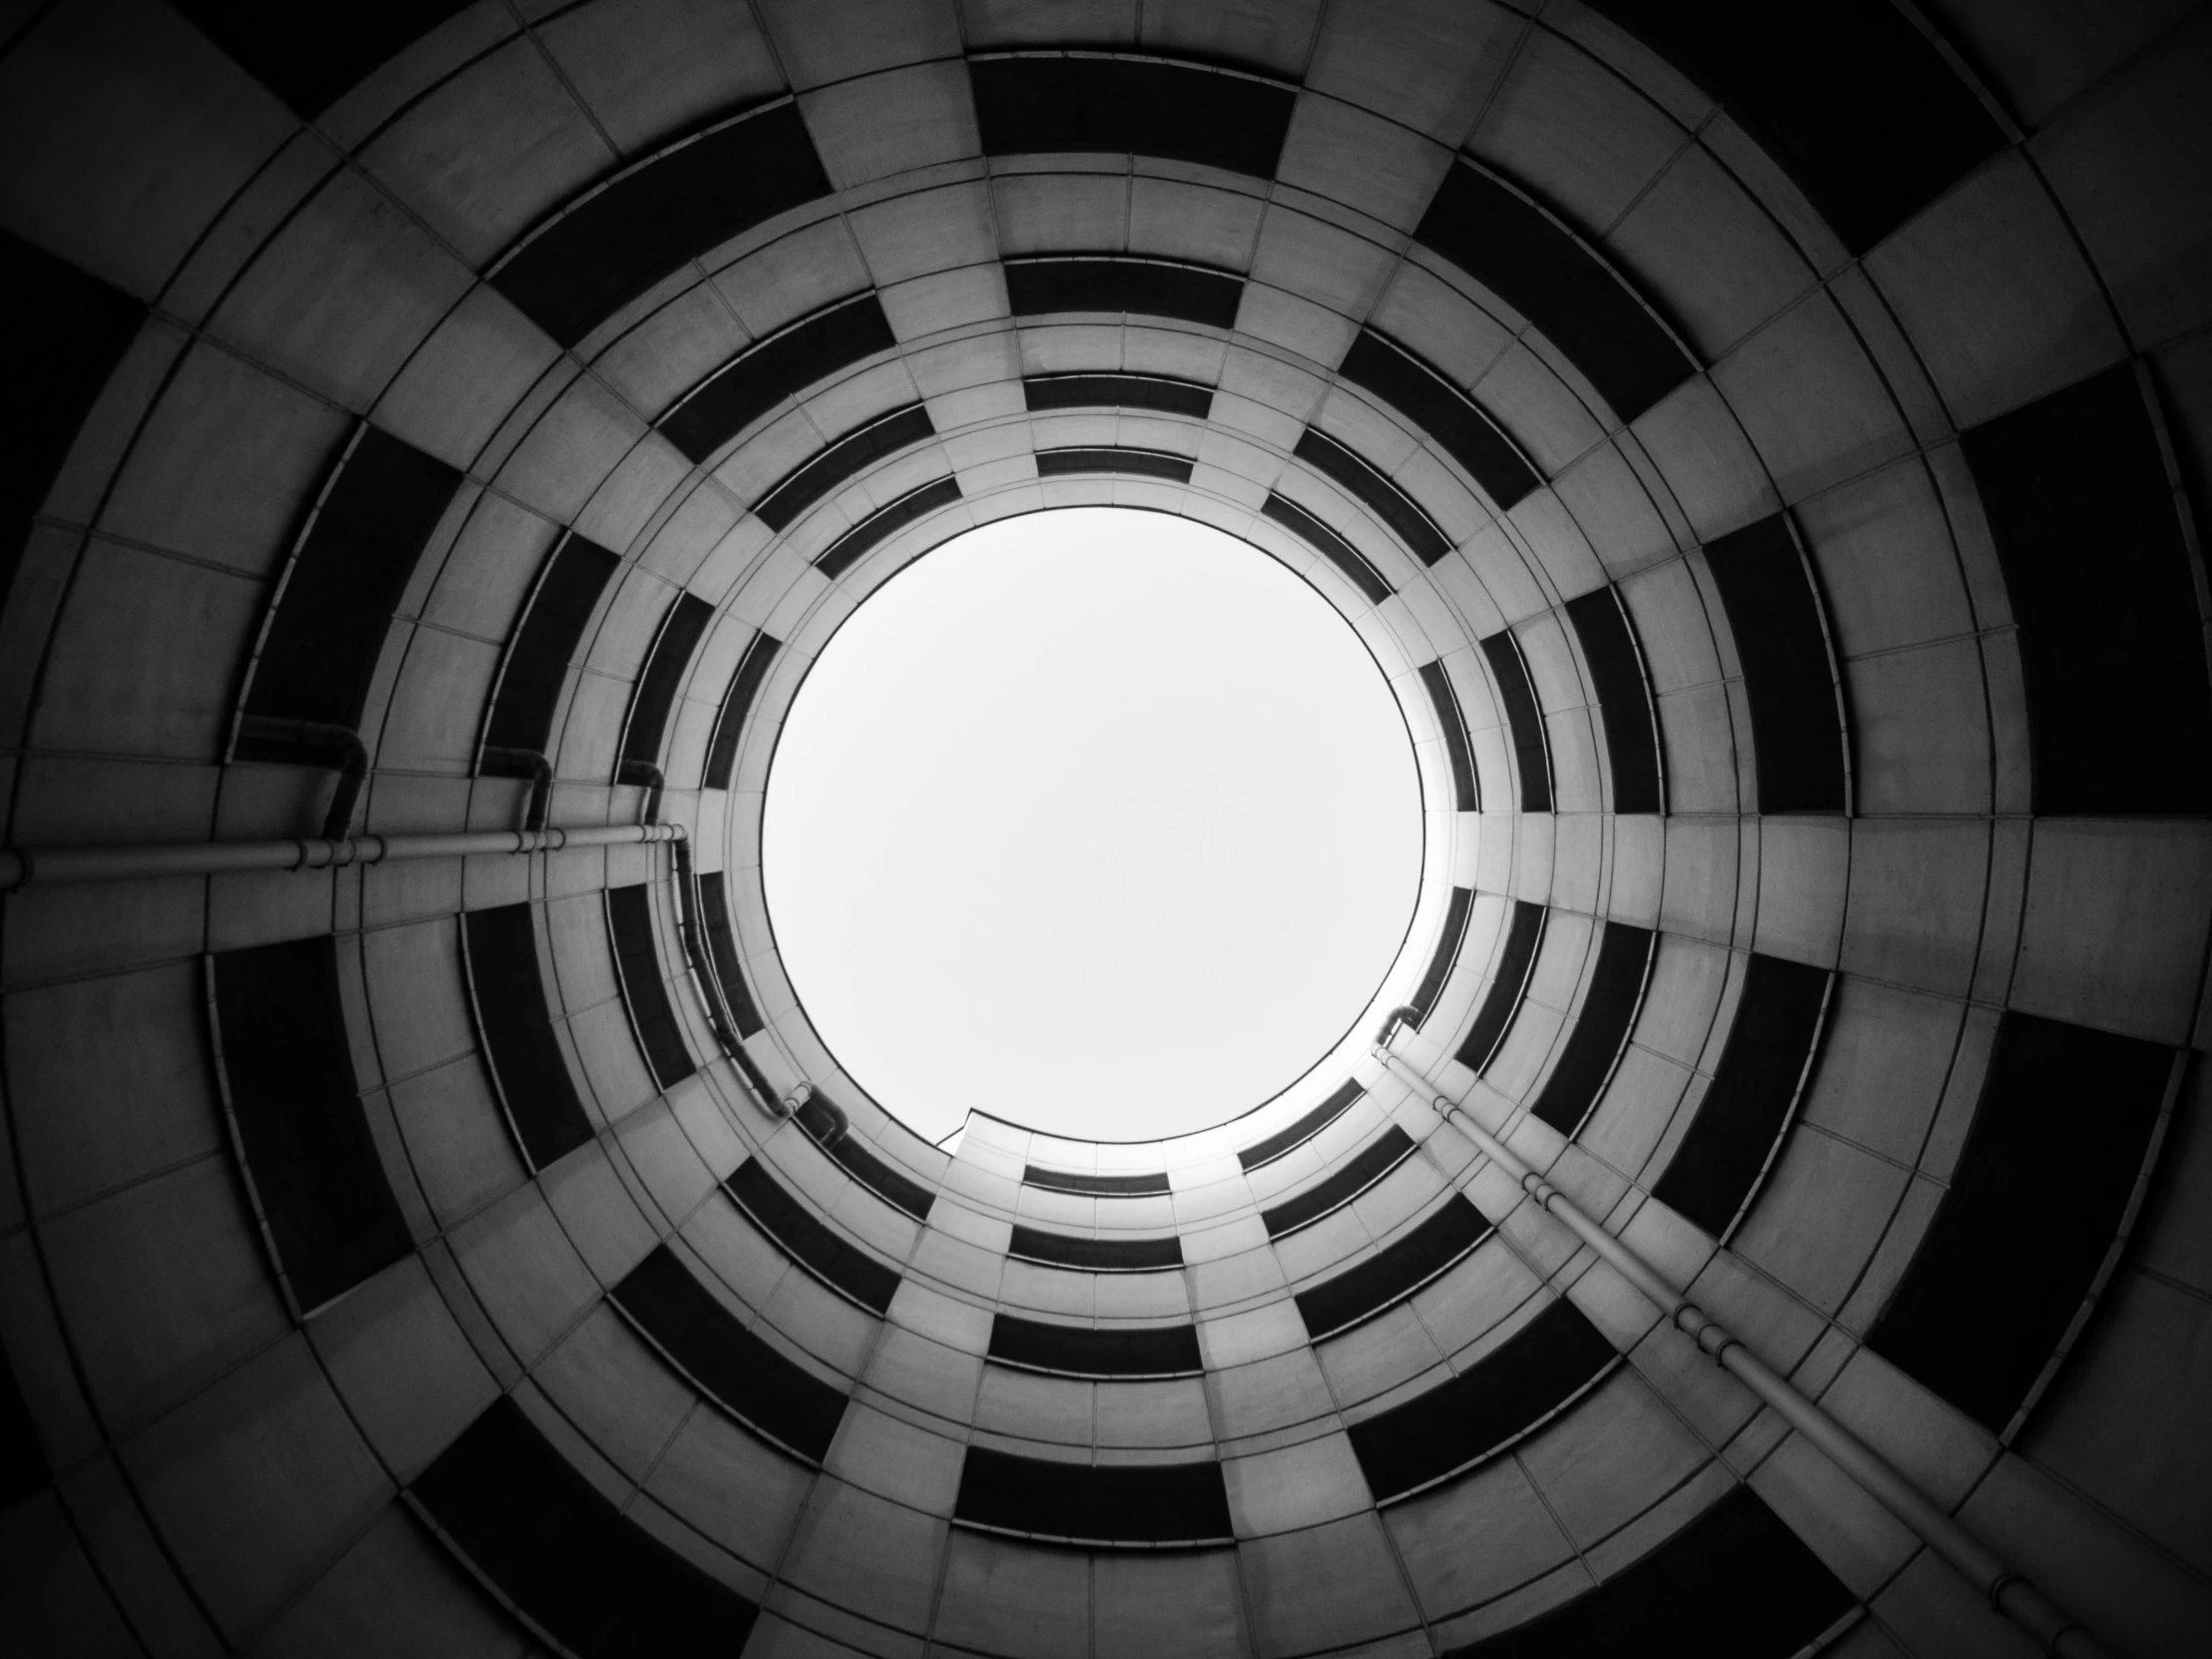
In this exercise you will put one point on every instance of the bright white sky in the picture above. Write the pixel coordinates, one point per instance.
(1096, 820)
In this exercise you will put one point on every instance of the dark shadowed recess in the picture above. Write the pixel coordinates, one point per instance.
(1448, 940)
(721, 952)
(2087, 528)
(1028, 104)
(1523, 720)
(1152, 1504)
(1106, 1254)
(1087, 1351)
(576, 573)
(1623, 697)
(1118, 391)
(1138, 463)
(2058, 1138)
(1102, 1186)
(638, 959)
(885, 522)
(307, 55)
(614, 243)
(1304, 1129)
(1450, 417)
(1389, 1276)
(1369, 486)
(845, 459)
(818, 1248)
(295, 1104)
(1774, 616)
(1508, 984)
(1497, 1399)
(1348, 560)
(682, 625)
(507, 991)
(586, 1575)
(1847, 94)
(333, 605)
(782, 366)
(1736, 1583)
(1345, 1183)
(23, 1468)
(745, 686)
(1600, 1027)
(852, 1155)
(1771, 1049)
(707, 1342)
(1106, 283)
(1517, 252)
(54, 369)
(1467, 796)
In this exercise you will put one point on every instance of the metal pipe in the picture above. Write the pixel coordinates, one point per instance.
(2008, 1592)
(818, 1115)
(691, 928)
(25, 866)
(647, 775)
(271, 731)
(514, 762)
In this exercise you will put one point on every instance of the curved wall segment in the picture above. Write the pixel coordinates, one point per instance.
(1765, 450)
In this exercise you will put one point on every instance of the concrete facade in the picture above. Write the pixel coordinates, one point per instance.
(1768, 459)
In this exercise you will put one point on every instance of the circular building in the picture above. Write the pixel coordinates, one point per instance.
(1764, 1203)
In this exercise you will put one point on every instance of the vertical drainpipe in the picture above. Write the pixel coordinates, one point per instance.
(2010, 1592)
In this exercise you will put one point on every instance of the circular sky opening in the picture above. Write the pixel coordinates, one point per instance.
(1097, 820)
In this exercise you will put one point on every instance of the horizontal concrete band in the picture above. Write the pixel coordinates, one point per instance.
(24, 867)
